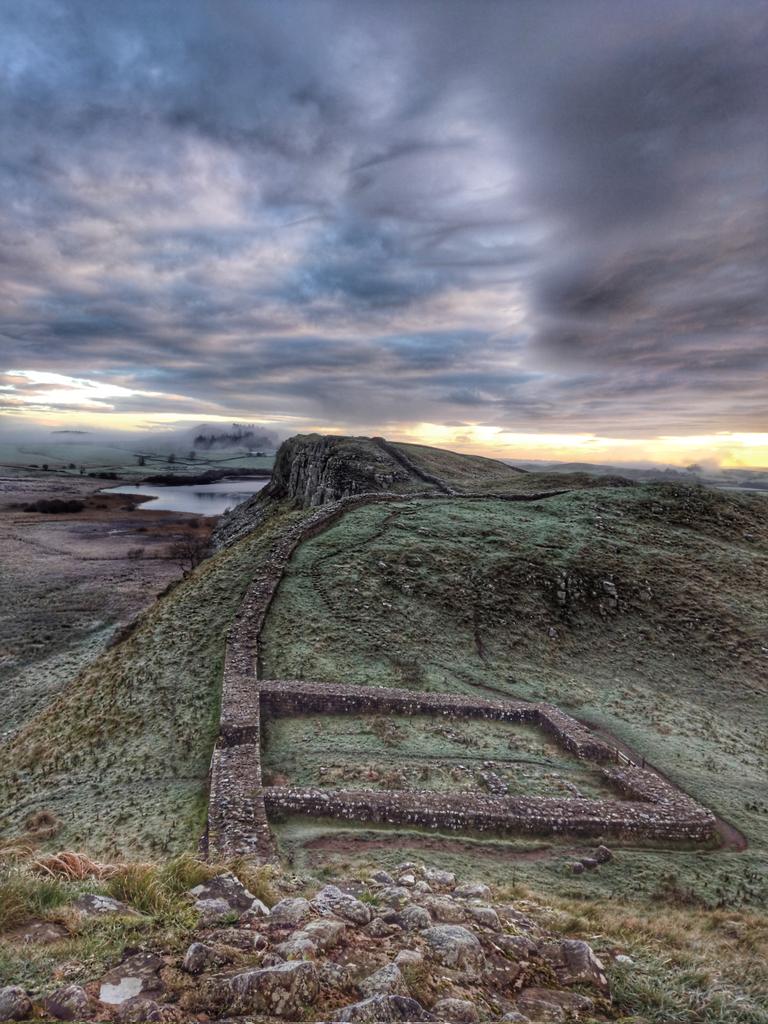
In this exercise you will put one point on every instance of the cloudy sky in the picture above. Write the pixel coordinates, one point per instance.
(526, 227)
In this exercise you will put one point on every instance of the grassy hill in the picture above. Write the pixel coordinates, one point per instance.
(120, 759)
(640, 609)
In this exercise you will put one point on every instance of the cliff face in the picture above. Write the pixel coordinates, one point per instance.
(312, 469)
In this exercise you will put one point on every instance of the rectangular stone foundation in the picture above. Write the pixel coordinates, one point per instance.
(238, 805)
(281, 697)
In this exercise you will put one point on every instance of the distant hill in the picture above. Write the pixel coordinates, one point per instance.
(637, 608)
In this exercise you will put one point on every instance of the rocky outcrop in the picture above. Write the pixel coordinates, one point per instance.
(342, 953)
(313, 469)
(316, 469)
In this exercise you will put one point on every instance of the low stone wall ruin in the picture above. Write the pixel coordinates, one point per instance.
(239, 805)
(237, 817)
(296, 696)
(671, 819)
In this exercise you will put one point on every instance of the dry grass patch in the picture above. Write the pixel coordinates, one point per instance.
(690, 965)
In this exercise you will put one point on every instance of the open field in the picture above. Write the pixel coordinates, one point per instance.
(70, 456)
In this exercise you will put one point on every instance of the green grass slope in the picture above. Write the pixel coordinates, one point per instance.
(517, 599)
(121, 757)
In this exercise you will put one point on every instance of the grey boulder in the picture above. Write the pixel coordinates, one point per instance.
(445, 910)
(332, 901)
(383, 1008)
(473, 891)
(285, 990)
(442, 879)
(137, 976)
(415, 918)
(291, 912)
(459, 1010)
(387, 981)
(486, 916)
(67, 1003)
(14, 1003)
(543, 1004)
(199, 956)
(454, 946)
(326, 932)
(139, 1011)
(382, 878)
(226, 888)
(298, 946)
(576, 964)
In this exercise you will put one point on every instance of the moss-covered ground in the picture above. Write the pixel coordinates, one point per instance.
(641, 610)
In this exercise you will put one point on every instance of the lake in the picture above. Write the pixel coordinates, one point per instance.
(202, 499)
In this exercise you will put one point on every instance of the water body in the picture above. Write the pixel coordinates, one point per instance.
(202, 499)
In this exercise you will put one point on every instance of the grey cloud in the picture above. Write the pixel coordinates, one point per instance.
(549, 215)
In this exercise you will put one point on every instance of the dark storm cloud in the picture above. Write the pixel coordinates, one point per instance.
(546, 216)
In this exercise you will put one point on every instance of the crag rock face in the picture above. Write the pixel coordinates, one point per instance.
(312, 469)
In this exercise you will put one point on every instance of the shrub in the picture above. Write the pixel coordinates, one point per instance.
(258, 880)
(159, 890)
(55, 505)
(42, 824)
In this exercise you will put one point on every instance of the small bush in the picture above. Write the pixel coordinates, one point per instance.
(42, 824)
(159, 890)
(184, 872)
(55, 505)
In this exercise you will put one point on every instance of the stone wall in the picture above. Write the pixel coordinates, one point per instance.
(237, 820)
(670, 820)
(237, 817)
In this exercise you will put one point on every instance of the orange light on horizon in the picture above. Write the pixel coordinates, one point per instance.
(724, 449)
